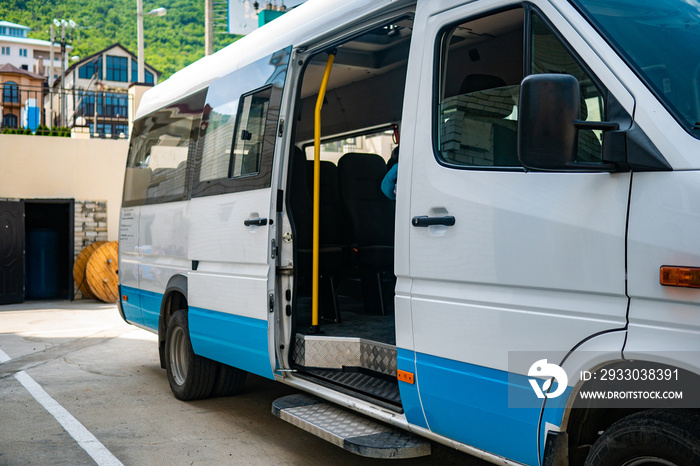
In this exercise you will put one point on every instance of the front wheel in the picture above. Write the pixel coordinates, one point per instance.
(191, 377)
(657, 437)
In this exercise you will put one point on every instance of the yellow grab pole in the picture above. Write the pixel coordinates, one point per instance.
(317, 194)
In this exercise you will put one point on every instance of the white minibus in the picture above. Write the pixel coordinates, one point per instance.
(528, 291)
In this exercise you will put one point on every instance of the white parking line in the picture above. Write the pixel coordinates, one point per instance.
(75, 429)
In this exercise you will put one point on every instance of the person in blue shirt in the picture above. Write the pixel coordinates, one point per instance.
(389, 182)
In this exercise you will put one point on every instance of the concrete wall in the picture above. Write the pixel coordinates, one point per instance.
(42, 167)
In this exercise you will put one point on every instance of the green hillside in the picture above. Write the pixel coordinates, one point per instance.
(171, 42)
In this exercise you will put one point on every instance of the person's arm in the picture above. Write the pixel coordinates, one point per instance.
(389, 182)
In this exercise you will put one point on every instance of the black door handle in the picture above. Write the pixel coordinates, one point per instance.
(255, 221)
(425, 221)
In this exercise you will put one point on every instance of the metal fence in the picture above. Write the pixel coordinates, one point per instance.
(101, 113)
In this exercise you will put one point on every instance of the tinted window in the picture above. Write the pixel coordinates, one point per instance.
(238, 129)
(481, 70)
(482, 65)
(161, 144)
(549, 55)
(660, 40)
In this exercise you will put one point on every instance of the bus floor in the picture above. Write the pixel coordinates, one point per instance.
(355, 322)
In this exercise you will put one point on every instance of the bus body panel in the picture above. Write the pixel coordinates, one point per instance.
(129, 264)
(163, 231)
(664, 226)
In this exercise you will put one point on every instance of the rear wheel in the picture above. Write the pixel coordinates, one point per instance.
(191, 377)
(229, 381)
(658, 438)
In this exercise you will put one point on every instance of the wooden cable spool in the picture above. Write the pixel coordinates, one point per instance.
(101, 271)
(80, 265)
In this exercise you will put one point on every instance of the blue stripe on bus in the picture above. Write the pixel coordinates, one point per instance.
(405, 361)
(470, 404)
(150, 308)
(142, 307)
(132, 305)
(238, 341)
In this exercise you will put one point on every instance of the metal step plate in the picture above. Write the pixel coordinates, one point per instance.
(377, 387)
(337, 352)
(348, 430)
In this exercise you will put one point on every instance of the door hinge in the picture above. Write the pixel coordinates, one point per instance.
(272, 302)
(280, 130)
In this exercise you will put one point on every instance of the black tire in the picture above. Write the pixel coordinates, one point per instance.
(655, 437)
(191, 377)
(229, 381)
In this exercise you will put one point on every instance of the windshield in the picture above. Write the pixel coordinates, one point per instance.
(661, 40)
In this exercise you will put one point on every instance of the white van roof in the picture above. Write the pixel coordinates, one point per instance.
(311, 19)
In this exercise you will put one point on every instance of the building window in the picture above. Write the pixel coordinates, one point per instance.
(87, 105)
(121, 129)
(87, 71)
(148, 76)
(9, 121)
(117, 68)
(10, 92)
(115, 105)
(22, 52)
(6, 50)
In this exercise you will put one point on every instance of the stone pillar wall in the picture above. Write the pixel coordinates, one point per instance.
(90, 226)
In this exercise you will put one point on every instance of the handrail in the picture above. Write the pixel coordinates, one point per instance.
(317, 194)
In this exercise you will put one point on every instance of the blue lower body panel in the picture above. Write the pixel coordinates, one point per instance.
(405, 361)
(131, 305)
(141, 307)
(238, 341)
(150, 308)
(470, 404)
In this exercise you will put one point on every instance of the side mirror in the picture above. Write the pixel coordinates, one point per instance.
(548, 124)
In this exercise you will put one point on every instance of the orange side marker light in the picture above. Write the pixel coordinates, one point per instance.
(687, 277)
(125, 298)
(404, 376)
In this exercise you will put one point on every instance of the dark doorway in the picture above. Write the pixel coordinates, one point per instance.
(11, 252)
(49, 248)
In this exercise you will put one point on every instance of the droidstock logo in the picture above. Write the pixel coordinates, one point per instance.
(543, 369)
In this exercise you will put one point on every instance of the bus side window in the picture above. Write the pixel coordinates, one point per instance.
(161, 145)
(550, 55)
(249, 134)
(237, 135)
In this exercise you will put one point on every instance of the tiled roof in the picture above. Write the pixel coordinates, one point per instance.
(9, 69)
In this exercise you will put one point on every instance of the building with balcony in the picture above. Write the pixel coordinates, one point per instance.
(27, 54)
(95, 92)
(22, 94)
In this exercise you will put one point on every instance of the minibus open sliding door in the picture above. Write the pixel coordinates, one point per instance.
(232, 217)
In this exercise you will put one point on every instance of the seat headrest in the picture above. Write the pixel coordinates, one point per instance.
(480, 82)
(484, 96)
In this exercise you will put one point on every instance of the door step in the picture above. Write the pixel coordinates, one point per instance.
(380, 387)
(348, 430)
(327, 352)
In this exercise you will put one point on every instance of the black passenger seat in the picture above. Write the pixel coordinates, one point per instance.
(372, 218)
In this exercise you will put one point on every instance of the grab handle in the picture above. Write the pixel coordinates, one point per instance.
(255, 221)
(425, 221)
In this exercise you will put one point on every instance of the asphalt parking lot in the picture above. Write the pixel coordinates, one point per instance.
(80, 364)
